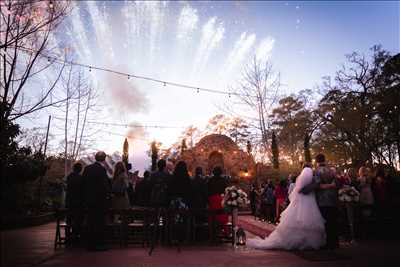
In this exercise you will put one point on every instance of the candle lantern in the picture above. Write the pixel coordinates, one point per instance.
(240, 237)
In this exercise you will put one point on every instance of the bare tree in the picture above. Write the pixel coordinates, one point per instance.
(257, 92)
(25, 31)
(81, 101)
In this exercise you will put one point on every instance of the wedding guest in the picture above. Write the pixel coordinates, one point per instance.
(199, 189)
(379, 190)
(280, 194)
(119, 189)
(179, 187)
(268, 201)
(216, 189)
(96, 193)
(253, 199)
(74, 200)
(365, 189)
(143, 190)
(159, 185)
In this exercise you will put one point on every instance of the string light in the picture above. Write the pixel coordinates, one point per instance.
(56, 59)
(130, 125)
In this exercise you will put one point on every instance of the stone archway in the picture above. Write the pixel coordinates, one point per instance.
(215, 159)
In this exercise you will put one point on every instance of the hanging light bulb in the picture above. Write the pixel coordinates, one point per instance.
(342, 119)
(90, 69)
(51, 5)
(198, 90)
(354, 108)
(165, 84)
(129, 77)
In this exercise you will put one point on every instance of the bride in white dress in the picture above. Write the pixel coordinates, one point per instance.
(301, 224)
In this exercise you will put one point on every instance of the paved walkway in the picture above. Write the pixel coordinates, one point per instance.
(34, 247)
(27, 246)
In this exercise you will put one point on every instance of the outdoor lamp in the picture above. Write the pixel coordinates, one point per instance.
(240, 237)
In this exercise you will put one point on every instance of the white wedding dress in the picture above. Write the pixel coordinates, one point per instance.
(301, 224)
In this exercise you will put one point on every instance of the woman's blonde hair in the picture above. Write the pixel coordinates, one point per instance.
(118, 169)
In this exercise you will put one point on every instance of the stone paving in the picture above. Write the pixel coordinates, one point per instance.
(34, 247)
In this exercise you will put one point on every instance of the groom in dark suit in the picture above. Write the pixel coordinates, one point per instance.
(96, 192)
(325, 187)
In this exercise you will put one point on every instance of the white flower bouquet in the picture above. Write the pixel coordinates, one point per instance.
(349, 194)
(234, 198)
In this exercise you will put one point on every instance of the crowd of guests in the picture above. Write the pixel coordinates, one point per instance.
(270, 199)
(167, 187)
(171, 186)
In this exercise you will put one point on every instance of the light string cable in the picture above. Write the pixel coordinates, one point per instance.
(128, 75)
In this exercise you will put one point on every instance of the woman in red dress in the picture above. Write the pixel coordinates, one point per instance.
(216, 189)
(280, 196)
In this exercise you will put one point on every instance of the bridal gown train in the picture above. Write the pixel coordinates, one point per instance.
(301, 224)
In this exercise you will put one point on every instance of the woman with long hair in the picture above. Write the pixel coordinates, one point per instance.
(179, 187)
(119, 188)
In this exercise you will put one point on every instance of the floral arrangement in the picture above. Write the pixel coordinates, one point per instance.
(234, 198)
(349, 194)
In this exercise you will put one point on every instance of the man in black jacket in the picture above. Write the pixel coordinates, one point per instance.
(325, 185)
(96, 193)
(74, 200)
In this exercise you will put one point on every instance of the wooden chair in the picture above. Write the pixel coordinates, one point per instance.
(115, 227)
(221, 232)
(63, 230)
(199, 223)
(137, 226)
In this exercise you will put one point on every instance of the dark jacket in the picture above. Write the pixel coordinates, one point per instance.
(97, 186)
(200, 193)
(74, 194)
(216, 185)
(180, 187)
(157, 178)
(143, 192)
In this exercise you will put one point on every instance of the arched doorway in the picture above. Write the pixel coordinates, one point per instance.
(215, 159)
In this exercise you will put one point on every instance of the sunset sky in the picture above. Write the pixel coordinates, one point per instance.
(205, 44)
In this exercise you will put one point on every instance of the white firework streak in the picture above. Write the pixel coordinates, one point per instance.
(211, 37)
(187, 23)
(78, 31)
(144, 22)
(264, 49)
(240, 50)
(102, 30)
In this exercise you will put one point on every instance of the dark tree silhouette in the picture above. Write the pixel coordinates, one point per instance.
(125, 155)
(275, 151)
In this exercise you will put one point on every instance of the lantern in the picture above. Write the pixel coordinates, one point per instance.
(240, 237)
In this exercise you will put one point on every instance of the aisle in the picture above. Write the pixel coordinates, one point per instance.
(27, 246)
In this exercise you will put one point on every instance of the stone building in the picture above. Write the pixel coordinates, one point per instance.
(219, 150)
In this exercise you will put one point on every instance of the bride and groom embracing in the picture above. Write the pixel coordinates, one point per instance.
(309, 222)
